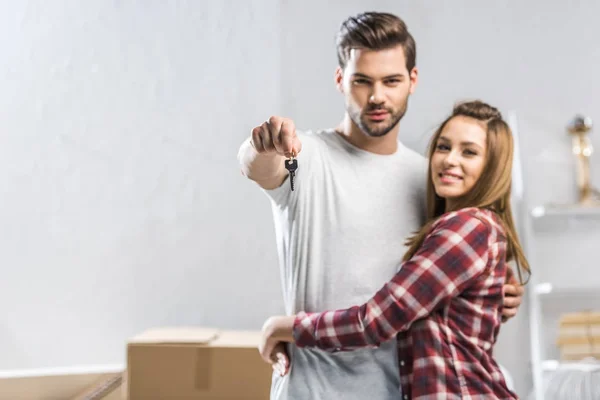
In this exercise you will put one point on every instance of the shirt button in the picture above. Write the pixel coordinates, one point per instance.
(405, 397)
(402, 365)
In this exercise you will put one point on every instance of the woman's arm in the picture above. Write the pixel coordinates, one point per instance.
(453, 255)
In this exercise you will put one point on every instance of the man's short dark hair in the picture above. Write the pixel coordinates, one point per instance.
(375, 31)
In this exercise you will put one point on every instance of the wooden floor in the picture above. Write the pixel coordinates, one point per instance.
(89, 383)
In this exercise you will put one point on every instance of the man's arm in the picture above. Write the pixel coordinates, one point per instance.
(262, 155)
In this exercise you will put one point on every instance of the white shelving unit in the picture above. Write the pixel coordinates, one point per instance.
(540, 290)
(567, 211)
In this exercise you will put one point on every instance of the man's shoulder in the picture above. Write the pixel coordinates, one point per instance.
(321, 135)
(417, 166)
(412, 156)
(317, 142)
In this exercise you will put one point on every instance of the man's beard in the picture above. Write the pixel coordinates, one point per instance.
(376, 129)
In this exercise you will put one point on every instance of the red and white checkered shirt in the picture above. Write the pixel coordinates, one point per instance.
(444, 306)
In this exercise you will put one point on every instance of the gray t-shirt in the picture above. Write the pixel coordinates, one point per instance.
(340, 236)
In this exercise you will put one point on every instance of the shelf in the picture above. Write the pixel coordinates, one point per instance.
(567, 210)
(548, 289)
(584, 365)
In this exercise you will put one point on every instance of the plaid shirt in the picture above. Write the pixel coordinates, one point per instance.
(444, 305)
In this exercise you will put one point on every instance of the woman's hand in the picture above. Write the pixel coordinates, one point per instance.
(276, 331)
(274, 353)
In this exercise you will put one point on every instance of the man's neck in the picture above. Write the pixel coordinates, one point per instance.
(384, 145)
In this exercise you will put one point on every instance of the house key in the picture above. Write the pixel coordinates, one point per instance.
(291, 164)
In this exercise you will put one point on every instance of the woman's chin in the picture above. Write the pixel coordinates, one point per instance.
(448, 193)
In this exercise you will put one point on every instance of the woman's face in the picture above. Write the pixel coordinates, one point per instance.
(459, 158)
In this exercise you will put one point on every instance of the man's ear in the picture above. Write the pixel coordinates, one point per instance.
(414, 79)
(339, 79)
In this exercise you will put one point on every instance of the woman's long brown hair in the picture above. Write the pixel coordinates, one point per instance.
(493, 188)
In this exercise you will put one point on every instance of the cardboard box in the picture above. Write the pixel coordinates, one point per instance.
(196, 364)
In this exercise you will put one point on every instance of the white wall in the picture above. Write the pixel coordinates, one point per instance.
(122, 204)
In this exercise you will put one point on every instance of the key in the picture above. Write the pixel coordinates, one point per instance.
(291, 165)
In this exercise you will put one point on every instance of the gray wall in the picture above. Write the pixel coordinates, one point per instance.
(123, 206)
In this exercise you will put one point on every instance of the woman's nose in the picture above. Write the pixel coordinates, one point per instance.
(451, 159)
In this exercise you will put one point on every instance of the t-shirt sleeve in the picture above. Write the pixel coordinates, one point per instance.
(281, 194)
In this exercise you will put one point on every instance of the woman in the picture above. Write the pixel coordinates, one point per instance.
(445, 303)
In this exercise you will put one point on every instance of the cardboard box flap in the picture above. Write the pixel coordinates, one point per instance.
(176, 336)
(238, 339)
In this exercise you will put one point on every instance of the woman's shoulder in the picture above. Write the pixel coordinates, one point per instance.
(470, 219)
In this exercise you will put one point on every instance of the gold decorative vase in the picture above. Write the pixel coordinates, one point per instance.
(579, 129)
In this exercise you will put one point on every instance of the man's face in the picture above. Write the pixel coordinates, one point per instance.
(376, 86)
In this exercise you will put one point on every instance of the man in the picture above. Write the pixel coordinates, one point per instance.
(358, 194)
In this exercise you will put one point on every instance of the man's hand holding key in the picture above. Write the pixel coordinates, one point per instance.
(278, 136)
